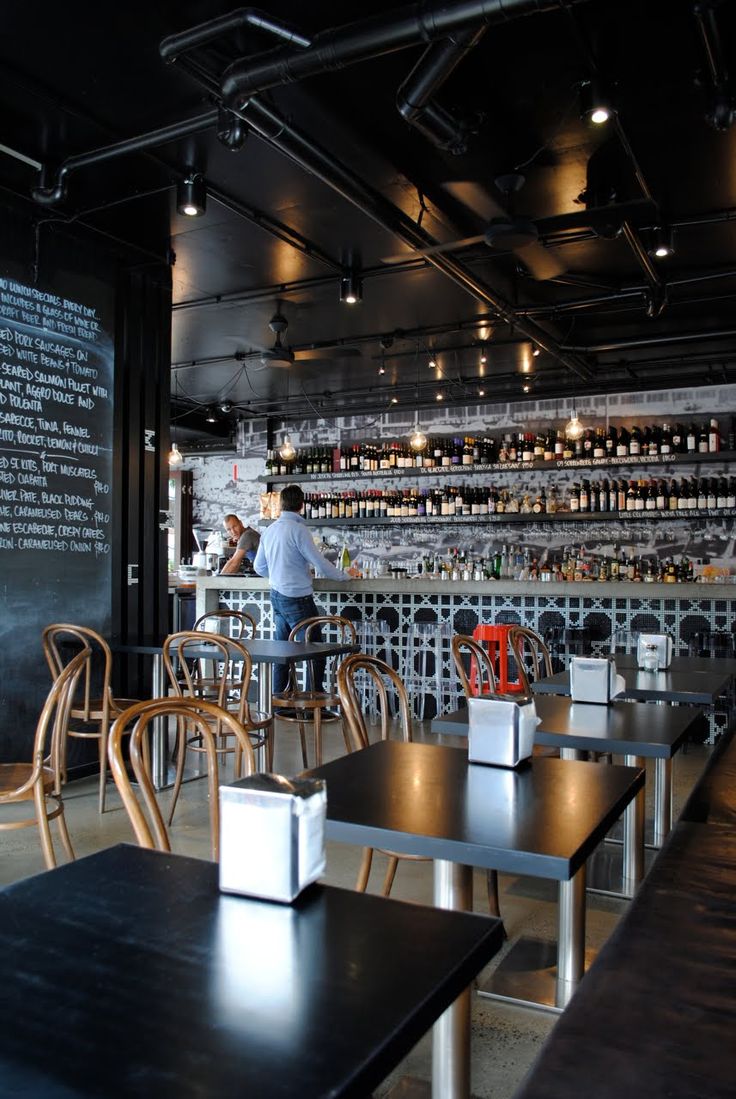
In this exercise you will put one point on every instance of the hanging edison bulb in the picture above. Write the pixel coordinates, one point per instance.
(287, 450)
(574, 428)
(417, 439)
(175, 456)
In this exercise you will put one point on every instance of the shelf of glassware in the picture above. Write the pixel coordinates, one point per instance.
(524, 517)
(633, 461)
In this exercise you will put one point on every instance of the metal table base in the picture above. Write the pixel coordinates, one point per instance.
(534, 975)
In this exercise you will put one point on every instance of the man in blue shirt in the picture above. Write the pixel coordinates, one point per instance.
(285, 555)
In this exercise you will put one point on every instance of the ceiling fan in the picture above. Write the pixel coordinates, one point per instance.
(282, 357)
(507, 231)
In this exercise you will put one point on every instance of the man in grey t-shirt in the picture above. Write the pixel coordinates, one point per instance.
(246, 543)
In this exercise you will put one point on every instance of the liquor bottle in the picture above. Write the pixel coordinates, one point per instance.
(540, 444)
(568, 450)
(611, 442)
(584, 497)
(714, 437)
(640, 496)
(635, 442)
(652, 441)
(692, 494)
(712, 494)
(650, 496)
(703, 439)
(467, 459)
(691, 439)
(575, 497)
(732, 434)
(661, 498)
(702, 493)
(622, 443)
(631, 496)
(599, 443)
(559, 446)
(604, 496)
(623, 489)
(679, 444)
(527, 448)
(665, 440)
(549, 446)
(731, 493)
(721, 501)
(588, 443)
(613, 496)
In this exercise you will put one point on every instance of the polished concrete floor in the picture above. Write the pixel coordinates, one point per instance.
(505, 1039)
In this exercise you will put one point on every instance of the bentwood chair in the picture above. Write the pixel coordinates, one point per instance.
(227, 623)
(181, 654)
(387, 686)
(311, 707)
(474, 666)
(198, 716)
(40, 780)
(533, 660)
(94, 706)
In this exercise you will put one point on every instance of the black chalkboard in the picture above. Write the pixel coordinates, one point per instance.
(56, 432)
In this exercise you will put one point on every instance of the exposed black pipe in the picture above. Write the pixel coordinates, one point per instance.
(653, 341)
(721, 114)
(176, 44)
(434, 67)
(379, 34)
(49, 194)
(657, 287)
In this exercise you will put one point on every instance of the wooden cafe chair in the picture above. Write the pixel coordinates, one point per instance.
(533, 659)
(309, 707)
(181, 657)
(94, 706)
(198, 715)
(237, 625)
(40, 780)
(473, 665)
(351, 671)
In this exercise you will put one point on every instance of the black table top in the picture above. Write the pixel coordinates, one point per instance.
(695, 687)
(128, 974)
(543, 819)
(261, 651)
(625, 728)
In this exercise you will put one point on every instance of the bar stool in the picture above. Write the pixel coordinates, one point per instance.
(427, 650)
(376, 639)
(567, 641)
(495, 640)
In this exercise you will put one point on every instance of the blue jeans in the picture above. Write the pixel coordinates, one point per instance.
(287, 611)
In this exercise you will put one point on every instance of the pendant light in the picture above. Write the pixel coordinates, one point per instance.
(287, 450)
(417, 439)
(175, 456)
(574, 429)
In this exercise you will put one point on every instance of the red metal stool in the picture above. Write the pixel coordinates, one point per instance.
(495, 639)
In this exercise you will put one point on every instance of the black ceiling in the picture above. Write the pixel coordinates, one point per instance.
(331, 175)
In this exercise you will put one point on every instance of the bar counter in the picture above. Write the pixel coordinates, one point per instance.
(391, 605)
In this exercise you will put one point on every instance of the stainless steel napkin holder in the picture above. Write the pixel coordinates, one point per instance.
(501, 730)
(594, 679)
(654, 651)
(272, 836)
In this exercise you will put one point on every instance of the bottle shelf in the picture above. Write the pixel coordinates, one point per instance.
(457, 470)
(525, 517)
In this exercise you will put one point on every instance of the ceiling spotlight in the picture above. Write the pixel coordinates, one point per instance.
(439, 396)
(481, 392)
(483, 356)
(175, 456)
(432, 364)
(191, 195)
(663, 244)
(226, 406)
(211, 416)
(287, 450)
(526, 387)
(394, 400)
(417, 439)
(535, 352)
(574, 428)
(351, 288)
(594, 103)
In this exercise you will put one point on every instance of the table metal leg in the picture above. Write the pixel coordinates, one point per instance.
(633, 869)
(662, 800)
(160, 728)
(453, 888)
(265, 689)
(570, 937)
